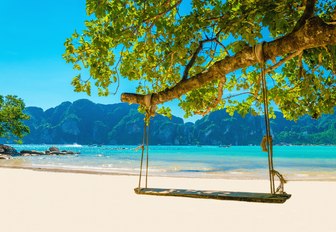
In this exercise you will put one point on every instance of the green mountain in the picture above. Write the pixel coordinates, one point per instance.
(85, 122)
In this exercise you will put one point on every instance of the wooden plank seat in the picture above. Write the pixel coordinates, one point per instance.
(218, 195)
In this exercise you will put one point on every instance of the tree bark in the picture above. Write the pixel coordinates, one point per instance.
(314, 33)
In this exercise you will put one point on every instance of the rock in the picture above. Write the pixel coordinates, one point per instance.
(55, 153)
(64, 152)
(54, 149)
(6, 157)
(25, 154)
(69, 152)
(8, 150)
(31, 153)
(51, 151)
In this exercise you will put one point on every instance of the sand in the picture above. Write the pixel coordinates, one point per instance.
(34, 201)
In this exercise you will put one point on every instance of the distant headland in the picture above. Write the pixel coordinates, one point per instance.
(85, 122)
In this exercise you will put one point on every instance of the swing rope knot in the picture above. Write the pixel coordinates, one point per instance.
(259, 52)
(148, 100)
(280, 189)
(150, 107)
(142, 147)
(264, 142)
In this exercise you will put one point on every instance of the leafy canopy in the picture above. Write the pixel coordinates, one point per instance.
(11, 118)
(161, 43)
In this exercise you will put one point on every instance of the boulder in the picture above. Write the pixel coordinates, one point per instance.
(54, 149)
(25, 154)
(69, 152)
(8, 150)
(6, 157)
(31, 153)
(63, 152)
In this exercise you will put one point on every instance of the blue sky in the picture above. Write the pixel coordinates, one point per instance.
(31, 48)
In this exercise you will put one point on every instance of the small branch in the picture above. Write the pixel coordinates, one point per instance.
(236, 95)
(217, 100)
(199, 48)
(194, 57)
(155, 17)
(116, 69)
(289, 57)
(222, 45)
(225, 16)
(300, 65)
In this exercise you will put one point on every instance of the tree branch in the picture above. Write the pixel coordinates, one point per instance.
(222, 45)
(289, 57)
(308, 13)
(217, 100)
(155, 17)
(236, 95)
(194, 57)
(314, 33)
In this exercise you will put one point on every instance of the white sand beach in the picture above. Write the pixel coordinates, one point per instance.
(34, 201)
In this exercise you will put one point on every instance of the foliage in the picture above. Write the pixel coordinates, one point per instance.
(159, 44)
(11, 118)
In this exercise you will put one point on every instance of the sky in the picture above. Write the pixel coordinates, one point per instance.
(32, 35)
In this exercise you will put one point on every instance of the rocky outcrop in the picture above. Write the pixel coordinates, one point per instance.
(5, 157)
(50, 151)
(31, 153)
(6, 152)
(63, 152)
(54, 149)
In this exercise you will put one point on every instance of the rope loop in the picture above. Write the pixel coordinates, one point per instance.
(142, 147)
(263, 143)
(258, 51)
(280, 189)
(150, 108)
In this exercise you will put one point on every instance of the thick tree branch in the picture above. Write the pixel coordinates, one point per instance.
(308, 13)
(314, 33)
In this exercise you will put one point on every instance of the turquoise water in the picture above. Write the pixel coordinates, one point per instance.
(295, 162)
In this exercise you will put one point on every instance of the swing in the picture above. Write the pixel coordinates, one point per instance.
(275, 196)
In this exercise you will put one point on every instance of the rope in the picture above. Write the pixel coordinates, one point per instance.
(142, 155)
(263, 143)
(147, 154)
(150, 111)
(280, 188)
(259, 54)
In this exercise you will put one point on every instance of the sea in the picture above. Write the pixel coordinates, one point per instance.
(232, 162)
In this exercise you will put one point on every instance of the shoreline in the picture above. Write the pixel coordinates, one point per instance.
(229, 176)
(77, 145)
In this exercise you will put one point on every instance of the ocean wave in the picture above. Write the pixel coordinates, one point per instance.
(72, 145)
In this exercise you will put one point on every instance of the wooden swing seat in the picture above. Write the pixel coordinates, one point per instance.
(217, 195)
